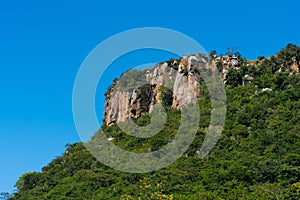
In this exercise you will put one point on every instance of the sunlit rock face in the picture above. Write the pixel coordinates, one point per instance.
(178, 76)
(296, 65)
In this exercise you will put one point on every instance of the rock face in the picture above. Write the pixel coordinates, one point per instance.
(224, 63)
(186, 87)
(296, 65)
(175, 83)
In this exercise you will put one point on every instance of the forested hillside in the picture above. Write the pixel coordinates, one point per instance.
(257, 156)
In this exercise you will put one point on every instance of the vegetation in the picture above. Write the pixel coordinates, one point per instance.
(174, 63)
(257, 156)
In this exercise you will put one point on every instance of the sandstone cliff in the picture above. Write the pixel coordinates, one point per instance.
(295, 65)
(175, 82)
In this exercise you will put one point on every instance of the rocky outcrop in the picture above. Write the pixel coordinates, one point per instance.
(295, 65)
(176, 82)
(186, 88)
(224, 63)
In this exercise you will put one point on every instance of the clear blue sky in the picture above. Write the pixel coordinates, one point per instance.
(42, 45)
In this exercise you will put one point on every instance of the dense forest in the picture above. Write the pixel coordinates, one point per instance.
(257, 156)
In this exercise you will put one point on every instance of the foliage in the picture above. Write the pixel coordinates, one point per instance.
(166, 96)
(257, 156)
(174, 63)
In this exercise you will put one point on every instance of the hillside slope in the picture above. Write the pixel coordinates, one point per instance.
(257, 156)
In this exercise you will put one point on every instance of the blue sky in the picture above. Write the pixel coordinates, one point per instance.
(43, 43)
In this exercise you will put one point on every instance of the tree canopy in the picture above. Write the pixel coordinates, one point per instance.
(257, 156)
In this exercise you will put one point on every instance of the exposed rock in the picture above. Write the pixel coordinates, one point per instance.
(225, 63)
(266, 90)
(247, 79)
(182, 79)
(183, 64)
(186, 88)
(116, 107)
(296, 65)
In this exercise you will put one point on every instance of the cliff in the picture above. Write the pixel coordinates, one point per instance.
(257, 156)
(174, 83)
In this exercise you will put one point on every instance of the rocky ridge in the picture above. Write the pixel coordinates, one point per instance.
(175, 83)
